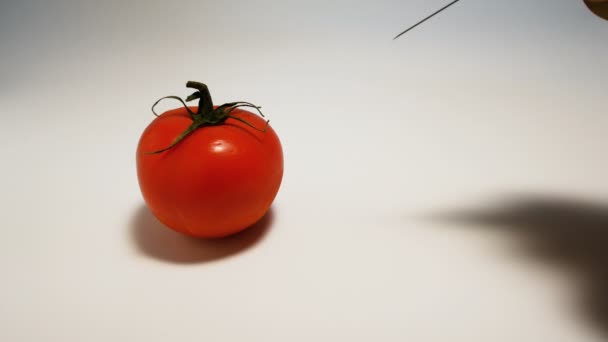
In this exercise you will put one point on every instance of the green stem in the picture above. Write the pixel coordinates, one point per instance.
(205, 103)
(206, 114)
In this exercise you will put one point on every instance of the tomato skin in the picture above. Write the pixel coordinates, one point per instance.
(217, 181)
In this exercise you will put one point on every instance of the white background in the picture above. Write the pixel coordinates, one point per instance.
(388, 145)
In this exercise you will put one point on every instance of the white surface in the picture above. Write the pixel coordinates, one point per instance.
(489, 99)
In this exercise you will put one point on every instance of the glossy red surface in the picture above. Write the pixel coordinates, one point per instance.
(217, 181)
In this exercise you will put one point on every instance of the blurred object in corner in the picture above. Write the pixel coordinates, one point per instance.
(599, 7)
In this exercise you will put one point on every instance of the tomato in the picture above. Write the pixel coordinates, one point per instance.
(218, 178)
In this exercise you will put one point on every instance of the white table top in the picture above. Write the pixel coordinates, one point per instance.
(446, 186)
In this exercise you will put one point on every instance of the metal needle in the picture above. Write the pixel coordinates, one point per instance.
(425, 19)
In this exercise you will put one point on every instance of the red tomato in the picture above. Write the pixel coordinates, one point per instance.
(216, 181)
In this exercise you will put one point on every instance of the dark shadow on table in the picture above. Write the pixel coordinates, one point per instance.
(568, 234)
(154, 240)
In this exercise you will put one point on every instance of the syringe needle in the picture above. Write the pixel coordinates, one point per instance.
(425, 19)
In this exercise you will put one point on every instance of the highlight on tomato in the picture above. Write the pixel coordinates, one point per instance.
(209, 171)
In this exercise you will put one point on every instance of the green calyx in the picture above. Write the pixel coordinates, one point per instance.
(206, 115)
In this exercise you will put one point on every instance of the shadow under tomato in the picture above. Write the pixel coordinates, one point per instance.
(562, 233)
(156, 241)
